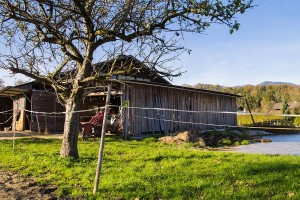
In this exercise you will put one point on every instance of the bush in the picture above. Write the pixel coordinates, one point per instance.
(245, 142)
(297, 121)
(236, 143)
(225, 142)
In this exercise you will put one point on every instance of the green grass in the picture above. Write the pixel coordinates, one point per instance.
(150, 170)
(273, 121)
(245, 120)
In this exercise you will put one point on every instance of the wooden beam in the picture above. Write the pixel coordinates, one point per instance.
(253, 122)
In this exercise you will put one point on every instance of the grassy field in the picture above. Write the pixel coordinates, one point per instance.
(262, 120)
(150, 170)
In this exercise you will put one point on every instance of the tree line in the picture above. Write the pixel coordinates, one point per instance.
(261, 98)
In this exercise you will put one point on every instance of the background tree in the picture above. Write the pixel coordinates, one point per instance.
(286, 111)
(285, 107)
(46, 37)
(261, 98)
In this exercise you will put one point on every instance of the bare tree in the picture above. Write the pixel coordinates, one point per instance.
(44, 38)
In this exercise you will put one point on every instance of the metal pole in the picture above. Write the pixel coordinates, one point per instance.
(101, 149)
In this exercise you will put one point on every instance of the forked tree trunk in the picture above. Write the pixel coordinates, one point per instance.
(71, 128)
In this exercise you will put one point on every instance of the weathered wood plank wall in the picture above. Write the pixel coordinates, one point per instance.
(147, 96)
(42, 101)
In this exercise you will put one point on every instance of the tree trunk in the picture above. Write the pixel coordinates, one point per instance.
(71, 128)
(73, 104)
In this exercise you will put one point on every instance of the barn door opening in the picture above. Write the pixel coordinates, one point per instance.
(28, 115)
(19, 105)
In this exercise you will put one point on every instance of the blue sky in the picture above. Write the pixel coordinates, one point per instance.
(266, 48)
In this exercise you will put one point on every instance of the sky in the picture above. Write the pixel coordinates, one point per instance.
(265, 48)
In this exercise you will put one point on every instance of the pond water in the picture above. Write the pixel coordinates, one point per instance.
(281, 144)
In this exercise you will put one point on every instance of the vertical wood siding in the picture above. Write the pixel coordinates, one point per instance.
(46, 102)
(147, 121)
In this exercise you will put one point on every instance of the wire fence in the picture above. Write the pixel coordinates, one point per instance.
(243, 118)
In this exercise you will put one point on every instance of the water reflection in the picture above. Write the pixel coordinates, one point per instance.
(281, 144)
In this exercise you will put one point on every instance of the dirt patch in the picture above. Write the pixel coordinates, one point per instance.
(16, 187)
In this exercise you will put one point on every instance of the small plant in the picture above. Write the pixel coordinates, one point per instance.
(297, 121)
(236, 143)
(125, 104)
(245, 142)
(225, 142)
(63, 191)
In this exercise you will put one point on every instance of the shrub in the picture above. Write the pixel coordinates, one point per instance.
(236, 143)
(245, 142)
(225, 142)
(297, 121)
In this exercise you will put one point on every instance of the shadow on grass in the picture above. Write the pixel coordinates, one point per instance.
(271, 167)
(38, 140)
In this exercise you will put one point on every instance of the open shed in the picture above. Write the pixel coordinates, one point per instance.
(26, 104)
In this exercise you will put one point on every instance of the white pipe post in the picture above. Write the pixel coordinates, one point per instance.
(101, 149)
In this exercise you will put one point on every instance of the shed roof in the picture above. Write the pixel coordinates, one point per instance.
(140, 71)
(11, 91)
(178, 87)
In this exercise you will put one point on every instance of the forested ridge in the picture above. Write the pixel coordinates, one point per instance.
(261, 98)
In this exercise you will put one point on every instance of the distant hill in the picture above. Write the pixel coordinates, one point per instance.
(275, 83)
(265, 83)
(239, 86)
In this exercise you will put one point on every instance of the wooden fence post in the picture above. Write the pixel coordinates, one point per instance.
(250, 111)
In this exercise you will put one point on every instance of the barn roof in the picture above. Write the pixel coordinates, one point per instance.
(140, 72)
(11, 91)
(179, 88)
(144, 76)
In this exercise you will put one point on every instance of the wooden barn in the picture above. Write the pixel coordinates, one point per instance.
(176, 108)
(147, 103)
(28, 104)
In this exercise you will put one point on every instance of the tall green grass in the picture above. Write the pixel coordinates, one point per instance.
(150, 170)
(263, 120)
